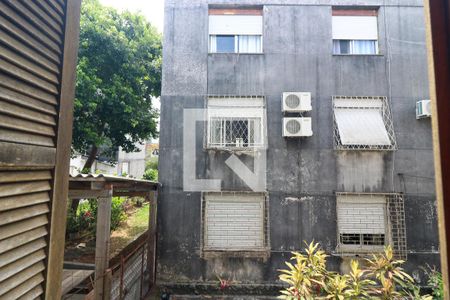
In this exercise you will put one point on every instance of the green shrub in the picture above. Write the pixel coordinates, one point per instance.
(117, 212)
(85, 220)
(152, 163)
(151, 174)
(384, 279)
(435, 282)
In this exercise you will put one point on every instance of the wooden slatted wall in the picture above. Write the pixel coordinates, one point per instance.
(32, 60)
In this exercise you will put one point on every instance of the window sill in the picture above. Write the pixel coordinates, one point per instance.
(362, 148)
(234, 53)
(257, 253)
(379, 54)
(235, 149)
(354, 251)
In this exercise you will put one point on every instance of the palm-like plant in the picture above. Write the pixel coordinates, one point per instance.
(306, 276)
(359, 284)
(390, 275)
(384, 279)
(336, 286)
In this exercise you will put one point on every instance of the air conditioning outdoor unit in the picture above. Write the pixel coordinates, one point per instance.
(423, 109)
(296, 102)
(297, 127)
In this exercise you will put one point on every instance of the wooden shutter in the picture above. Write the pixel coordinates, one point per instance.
(234, 221)
(38, 47)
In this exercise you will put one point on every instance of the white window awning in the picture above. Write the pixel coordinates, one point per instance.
(361, 125)
(361, 214)
(235, 25)
(355, 27)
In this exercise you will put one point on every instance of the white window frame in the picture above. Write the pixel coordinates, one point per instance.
(236, 197)
(236, 44)
(365, 102)
(255, 28)
(236, 108)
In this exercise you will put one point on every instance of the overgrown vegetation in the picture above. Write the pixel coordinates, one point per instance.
(85, 219)
(383, 278)
(435, 282)
(151, 169)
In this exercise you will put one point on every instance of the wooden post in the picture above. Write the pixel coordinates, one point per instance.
(63, 143)
(102, 244)
(437, 21)
(107, 285)
(153, 223)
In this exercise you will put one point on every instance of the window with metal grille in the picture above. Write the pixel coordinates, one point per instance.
(362, 221)
(355, 31)
(366, 222)
(235, 122)
(363, 123)
(234, 221)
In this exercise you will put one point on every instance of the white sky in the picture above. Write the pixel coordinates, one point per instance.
(153, 10)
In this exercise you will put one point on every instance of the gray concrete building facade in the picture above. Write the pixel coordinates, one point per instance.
(313, 185)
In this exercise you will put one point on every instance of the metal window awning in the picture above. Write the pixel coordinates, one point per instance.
(95, 185)
(361, 126)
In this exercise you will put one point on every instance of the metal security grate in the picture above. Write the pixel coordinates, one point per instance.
(362, 239)
(364, 228)
(396, 210)
(235, 123)
(235, 132)
(366, 123)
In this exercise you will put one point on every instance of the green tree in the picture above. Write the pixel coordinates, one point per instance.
(118, 74)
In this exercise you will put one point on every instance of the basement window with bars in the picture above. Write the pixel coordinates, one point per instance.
(363, 123)
(234, 221)
(362, 222)
(235, 123)
(235, 30)
(368, 222)
(355, 31)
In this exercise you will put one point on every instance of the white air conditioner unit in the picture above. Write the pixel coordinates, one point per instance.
(423, 109)
(297, 127)
(296, 102)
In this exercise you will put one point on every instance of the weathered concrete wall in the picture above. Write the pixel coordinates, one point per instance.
(302, 174)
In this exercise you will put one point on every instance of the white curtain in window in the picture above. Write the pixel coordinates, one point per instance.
(336, 47)
(212, 44)
(364, 47)
(249, 44)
